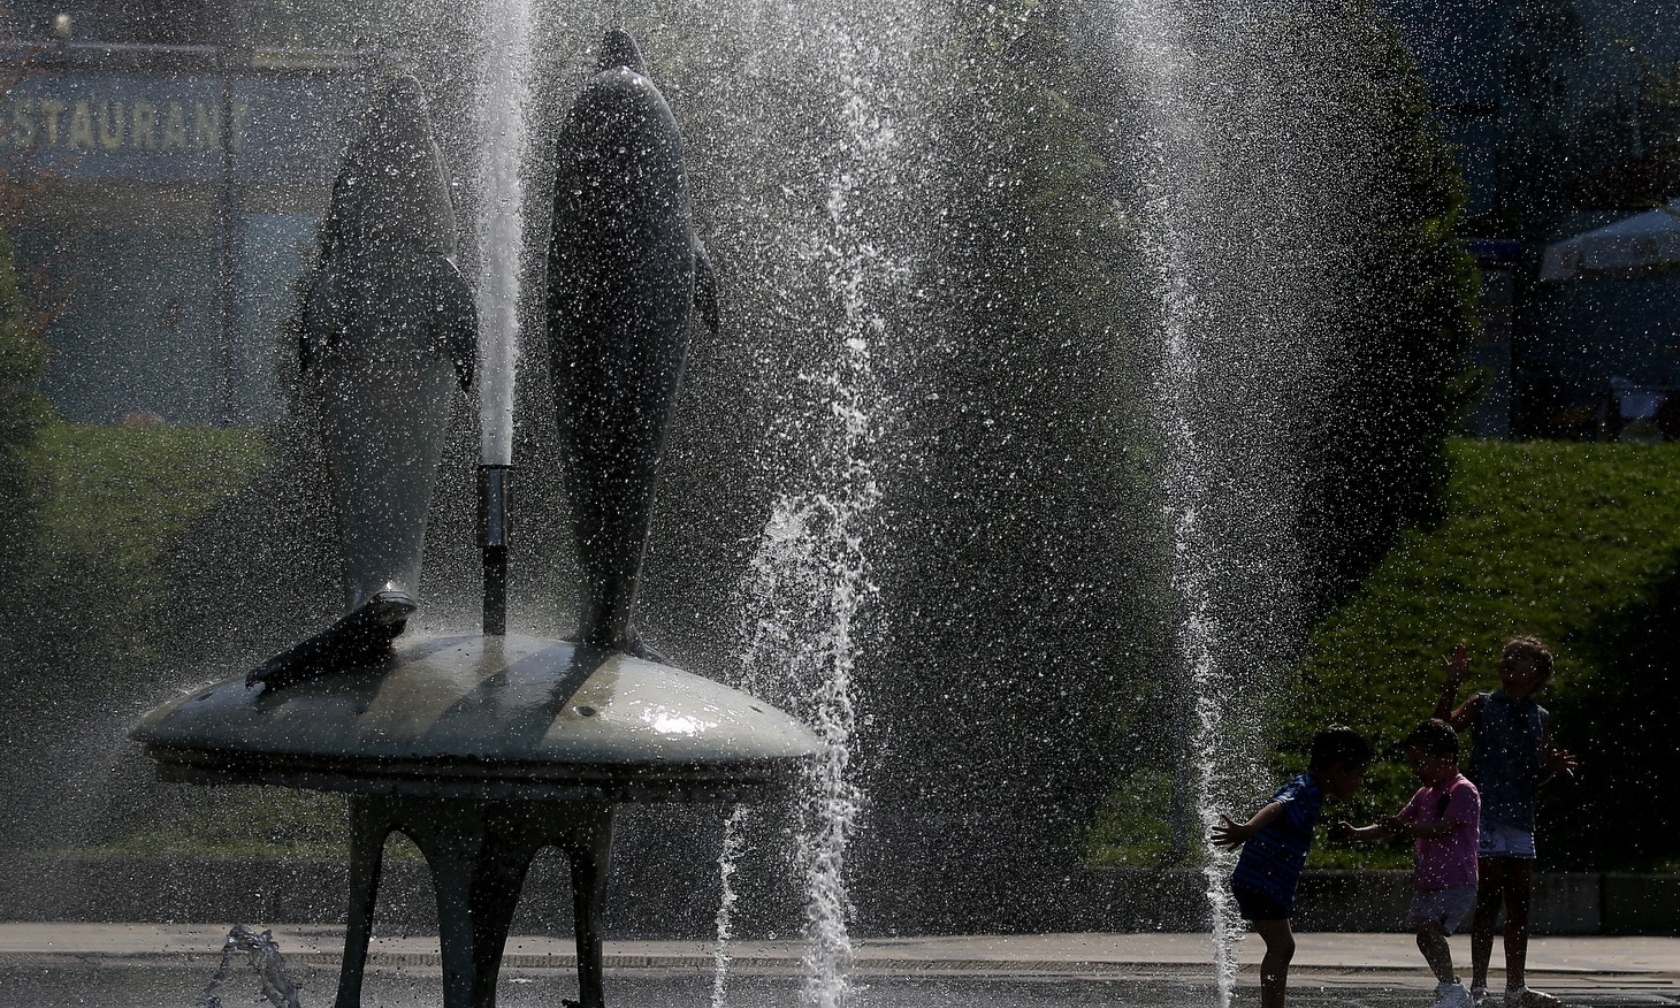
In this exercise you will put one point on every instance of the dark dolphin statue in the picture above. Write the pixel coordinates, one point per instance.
(388, 329)
(625, 271)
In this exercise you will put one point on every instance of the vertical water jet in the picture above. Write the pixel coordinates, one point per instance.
(504, 87)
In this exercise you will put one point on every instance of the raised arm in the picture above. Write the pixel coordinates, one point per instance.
(1454, 668)
(1403, 824)
(1232, 834)
(1346, 832)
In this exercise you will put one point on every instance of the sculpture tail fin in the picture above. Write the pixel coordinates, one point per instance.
(358, 639)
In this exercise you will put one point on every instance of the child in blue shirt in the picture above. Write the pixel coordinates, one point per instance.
(1275, 844)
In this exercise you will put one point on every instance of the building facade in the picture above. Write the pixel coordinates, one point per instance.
(168, 174)
(1566, 114)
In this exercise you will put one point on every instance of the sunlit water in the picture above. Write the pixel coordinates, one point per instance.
(1227, 219)
(504, 87)
(264, 963)
(1150, 40)
(734, 844)
(809, 583)
(813, 556)
(823, 208)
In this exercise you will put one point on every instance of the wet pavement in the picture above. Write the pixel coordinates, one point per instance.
(146, 966)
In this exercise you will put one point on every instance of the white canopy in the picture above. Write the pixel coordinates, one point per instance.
(1637, 246)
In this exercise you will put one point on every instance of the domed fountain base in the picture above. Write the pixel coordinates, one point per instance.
(484, 750)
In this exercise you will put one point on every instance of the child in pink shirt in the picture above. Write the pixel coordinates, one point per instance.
(1444, 818)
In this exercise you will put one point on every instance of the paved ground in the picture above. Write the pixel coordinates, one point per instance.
(116, 964)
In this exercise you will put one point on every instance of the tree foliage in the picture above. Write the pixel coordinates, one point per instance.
(23, 413)
(1035, 499)
(1398, 381)
(1012, 618)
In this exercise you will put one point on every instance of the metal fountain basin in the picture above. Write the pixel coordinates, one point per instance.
(486, 717)
(484, 750)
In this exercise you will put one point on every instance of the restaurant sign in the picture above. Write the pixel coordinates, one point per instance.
(192, 127)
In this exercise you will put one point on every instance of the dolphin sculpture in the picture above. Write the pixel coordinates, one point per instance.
(625, 272)
(388, 328)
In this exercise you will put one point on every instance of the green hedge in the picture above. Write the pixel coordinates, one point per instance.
(1576, 543)
(110, 500)
(118, 494)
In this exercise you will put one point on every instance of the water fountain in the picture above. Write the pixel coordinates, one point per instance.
(936, 477)
(485, 749)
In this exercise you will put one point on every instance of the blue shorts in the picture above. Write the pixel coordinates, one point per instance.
(1500, 840)
(1257, 906)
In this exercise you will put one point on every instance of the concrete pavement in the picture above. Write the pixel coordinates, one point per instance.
(1634, 969)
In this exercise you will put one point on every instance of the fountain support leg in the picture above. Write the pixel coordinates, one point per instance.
(591, 857)
(479, 853)
(367, 852)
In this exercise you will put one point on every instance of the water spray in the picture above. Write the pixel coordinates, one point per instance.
(504, 93)
(494, 484)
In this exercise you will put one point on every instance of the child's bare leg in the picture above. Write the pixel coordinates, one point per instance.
(1519, 884)
(1432, 942)
(1274, 966)
(1489, 894)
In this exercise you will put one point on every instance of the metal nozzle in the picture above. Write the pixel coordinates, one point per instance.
(494, 486)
